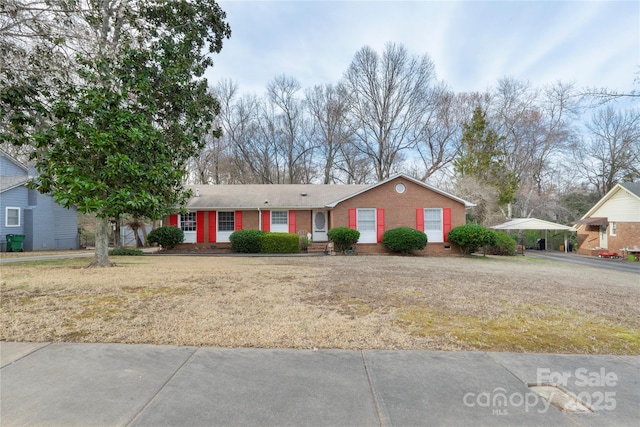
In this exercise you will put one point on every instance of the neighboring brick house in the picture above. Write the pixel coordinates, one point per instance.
(613, 223)
(215, 211)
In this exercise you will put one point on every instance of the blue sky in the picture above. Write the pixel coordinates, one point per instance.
(472, 43)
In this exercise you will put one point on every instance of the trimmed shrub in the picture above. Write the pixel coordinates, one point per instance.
(167, 237)
(471, 237)
(343, 237)
(280, 243)
(246, 241)
(505, 245)
(125, 252)
(404, 239)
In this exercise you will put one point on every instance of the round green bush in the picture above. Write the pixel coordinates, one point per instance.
(167, 237)
(471, 237)
(246, 241)
(404, 240)
(505, 245)
(343, 238)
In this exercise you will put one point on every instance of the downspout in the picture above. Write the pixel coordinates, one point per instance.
(259, 219)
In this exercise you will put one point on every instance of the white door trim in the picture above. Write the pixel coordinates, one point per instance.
(319, 233)
(604, 241)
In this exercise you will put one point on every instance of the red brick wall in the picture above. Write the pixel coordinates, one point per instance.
(400, 210)
(250, 221)
(627, 236)
(303, 221)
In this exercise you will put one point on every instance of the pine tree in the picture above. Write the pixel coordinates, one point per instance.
(482, 158)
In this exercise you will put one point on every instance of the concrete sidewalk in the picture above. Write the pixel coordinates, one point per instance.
(146, 385)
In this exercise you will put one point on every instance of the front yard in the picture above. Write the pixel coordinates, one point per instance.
(350, 302)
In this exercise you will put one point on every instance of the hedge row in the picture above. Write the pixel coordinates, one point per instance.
(472, 237)
(256, 241)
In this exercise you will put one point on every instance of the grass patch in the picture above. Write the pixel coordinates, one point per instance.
(57, 262)
(496, 304)
(529, 328)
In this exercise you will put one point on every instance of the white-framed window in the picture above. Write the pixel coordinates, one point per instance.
(188, 221)
(226, 225)
(433, 225)
(280, 221)
(612, 228)
(12, 217)
(366, 225)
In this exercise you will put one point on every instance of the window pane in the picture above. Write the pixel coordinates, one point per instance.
(366, 219)
(226, 221)
(13, 217)
(279, 217)
(188, 221)
(432, 219)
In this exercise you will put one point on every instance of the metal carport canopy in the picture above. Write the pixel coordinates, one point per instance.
(534, 224)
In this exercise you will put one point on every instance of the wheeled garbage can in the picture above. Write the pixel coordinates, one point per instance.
(14, 242)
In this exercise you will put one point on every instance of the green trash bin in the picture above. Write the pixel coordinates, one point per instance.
(14, 242)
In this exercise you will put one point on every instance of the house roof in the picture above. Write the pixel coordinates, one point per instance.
(286, 196)
(268, 196)
(531, 224)
(596, 220)
(12, 160)
(632, 188)
(9, 182)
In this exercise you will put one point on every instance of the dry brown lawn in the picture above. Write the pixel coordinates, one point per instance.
(350, 302)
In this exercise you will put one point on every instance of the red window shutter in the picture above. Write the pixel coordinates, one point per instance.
(353, 224)
(420, 219)
(238, 221)
(266, 221)
(380, 223)
(292, 222)
(200, 226)
(212, 226)
(173, 220)
(446, 222)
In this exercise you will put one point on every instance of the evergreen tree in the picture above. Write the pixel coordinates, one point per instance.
(482, 158)
(118, 135)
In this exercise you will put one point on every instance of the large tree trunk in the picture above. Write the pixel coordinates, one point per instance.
(102, 244)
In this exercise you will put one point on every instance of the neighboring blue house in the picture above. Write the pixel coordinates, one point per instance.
(45, 224)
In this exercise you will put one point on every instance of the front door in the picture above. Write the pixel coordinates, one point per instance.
(604, 243)
(320, 225)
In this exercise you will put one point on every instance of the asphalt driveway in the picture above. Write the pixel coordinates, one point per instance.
(589, 261)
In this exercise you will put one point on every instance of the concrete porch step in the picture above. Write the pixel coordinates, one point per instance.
(316, 247)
